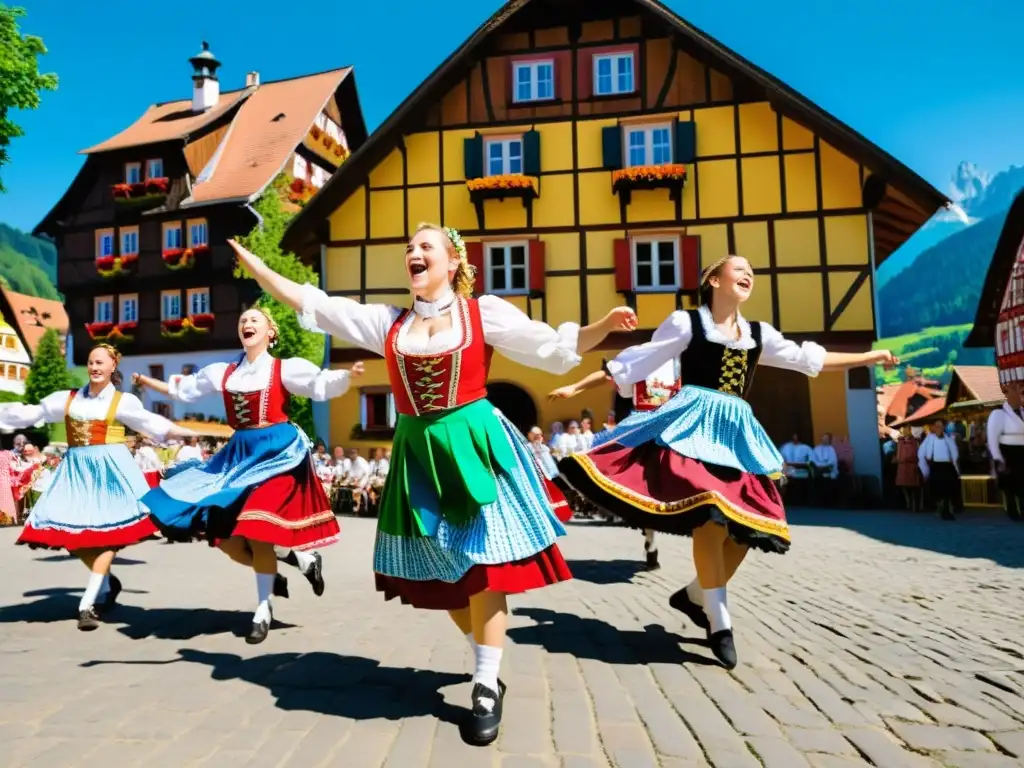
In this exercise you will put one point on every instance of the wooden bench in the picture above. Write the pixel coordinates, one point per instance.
(980, 491)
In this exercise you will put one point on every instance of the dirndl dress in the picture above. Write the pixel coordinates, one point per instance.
(261, 485)
(702, 455)
(93, 498)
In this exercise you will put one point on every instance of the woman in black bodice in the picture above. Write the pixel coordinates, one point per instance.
(701, 464)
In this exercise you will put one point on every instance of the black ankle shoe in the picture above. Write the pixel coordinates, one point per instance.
(724, 648)
(681, 602)
(652, 560)
(110, 600)
(315, 574)
(280, 586)
(484, 722)
(88, 620)
(258, 633)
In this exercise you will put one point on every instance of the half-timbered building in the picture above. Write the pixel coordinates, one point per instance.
(141, 232)
(595, 153)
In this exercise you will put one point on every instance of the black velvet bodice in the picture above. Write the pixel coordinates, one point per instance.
(715, 366)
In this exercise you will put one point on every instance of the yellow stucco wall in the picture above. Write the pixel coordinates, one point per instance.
(754, 188)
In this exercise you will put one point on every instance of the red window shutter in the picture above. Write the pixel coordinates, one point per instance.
(623, 266)
(475, 257)
(689, 267)
(371, 417)
(537, 266)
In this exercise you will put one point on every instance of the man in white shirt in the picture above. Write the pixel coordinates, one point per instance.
(826, 471)
(571, 441)
(1006, 447)
(358, 480)
(938, 458)
(797, 457)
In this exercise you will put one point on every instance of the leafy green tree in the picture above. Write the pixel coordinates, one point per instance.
(20, 81)
(294, 341)
(49, 372)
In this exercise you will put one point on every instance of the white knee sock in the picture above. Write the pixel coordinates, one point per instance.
(695, 593)
(649, 545)
(488, 661)
(264, 588)
(91, 592)
(305, 560)
(716, 609)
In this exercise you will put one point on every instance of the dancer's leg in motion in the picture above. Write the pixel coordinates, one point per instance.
(239, 550)
(488, 613)
(464, 621)
(310, 565)
(651, 550)
(709, 558)
(98, 562)
(690, 599)
(264, 563)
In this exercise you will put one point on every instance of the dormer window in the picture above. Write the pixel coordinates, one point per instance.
(613, 73)
(504, 156)
(133, 173)
(648, 145)
(534, 81)
(155, 168)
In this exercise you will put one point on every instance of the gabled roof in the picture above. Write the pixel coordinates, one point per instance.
(975, 382)
(267, 122)
(169, 121)
(31, 316)
(929, 411)
(983, 334)
(919, 193)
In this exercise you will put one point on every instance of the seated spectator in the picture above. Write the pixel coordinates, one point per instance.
(797, 459)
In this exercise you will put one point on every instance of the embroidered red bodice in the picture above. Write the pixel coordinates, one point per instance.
(251, 410)
(436, 382)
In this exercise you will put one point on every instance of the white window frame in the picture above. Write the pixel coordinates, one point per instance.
(652, 239)
(533, 67)
(300, 167)
(129, 231)
(103, 301)
(137, 167)
(126, 300)
(101, 236)
(193, 241)
(158, 162)
(181, 236)
(614, 58)
(507, 267)
(363, 410)
(506, 144)
(648, 131)
(190, 294)
(164, 314)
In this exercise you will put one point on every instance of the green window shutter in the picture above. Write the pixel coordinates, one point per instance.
(611, 147)
(531, 153)
(474, 156)
(685, 148)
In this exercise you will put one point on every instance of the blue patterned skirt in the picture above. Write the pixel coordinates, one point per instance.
(92, 502)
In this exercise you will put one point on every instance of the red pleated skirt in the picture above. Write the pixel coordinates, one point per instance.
(152, 478)
(544, 568)
(116, 538)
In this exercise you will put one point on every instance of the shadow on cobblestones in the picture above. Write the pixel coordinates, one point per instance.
(606, 571)
(587, 638)
(66, 558)
(352, 687)
(986, 534)
(61, 604)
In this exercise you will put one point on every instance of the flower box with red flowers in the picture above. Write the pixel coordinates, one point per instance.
(202, 321)
(158, 185)
(112, 266)
(105, 262)
(671, 176)
(99, 330)
(171, 326)
(172, 255)
(121, 191)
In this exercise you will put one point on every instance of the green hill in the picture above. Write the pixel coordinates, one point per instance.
(27, 264)
(932, 352)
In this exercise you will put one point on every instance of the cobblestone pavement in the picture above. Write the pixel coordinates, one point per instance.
(881, 639)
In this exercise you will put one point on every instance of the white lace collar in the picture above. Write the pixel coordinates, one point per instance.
(713, 334)
(434, 308)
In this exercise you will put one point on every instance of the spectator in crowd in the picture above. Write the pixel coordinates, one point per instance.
(826, 471)
(938, 460)
(797, 459)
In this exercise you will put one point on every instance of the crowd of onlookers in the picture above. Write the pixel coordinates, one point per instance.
(352, 483)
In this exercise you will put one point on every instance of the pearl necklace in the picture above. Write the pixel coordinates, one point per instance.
(436, 308)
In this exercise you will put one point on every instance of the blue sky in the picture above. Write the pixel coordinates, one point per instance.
(933, 82)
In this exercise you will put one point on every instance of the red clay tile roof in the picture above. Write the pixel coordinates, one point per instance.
(901, 398)
(32, 316)
(980, 381)
(271, 122)
(168, 121)
(929, 409)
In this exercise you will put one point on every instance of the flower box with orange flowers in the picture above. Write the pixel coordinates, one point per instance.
(183, 258)
(112, 266)
(500, 187)
(671, 176)
(300, 191)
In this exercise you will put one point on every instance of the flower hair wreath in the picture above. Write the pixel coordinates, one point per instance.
(456, 239)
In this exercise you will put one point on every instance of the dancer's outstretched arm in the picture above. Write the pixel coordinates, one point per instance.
(594, 380)
(281, 288)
